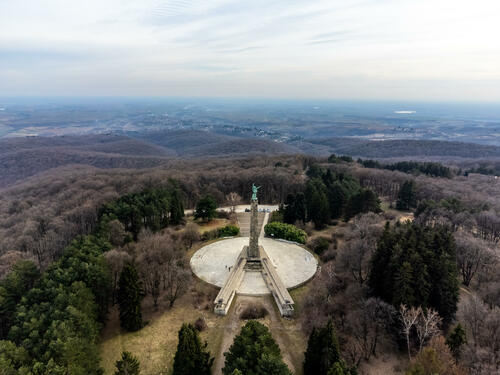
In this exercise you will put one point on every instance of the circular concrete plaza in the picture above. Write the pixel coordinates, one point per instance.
(294, 264)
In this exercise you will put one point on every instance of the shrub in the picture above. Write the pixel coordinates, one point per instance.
(276, 216)
(285, 231)
(228, 231)
(210, 235)
(200, 324)
(223, 215)
(319, 245)
(254, 311)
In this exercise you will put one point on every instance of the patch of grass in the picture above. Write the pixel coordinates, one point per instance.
(156, 343)
(213, 224)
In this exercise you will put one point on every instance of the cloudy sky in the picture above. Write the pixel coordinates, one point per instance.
(350, 49)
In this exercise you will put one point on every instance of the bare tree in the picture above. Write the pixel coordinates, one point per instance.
(360, 245)
(116, 259)
(153, 251)
(368, 324)
(472, 311)
(191, 234)
(161, 263)
(427, 326)
(473, 256)
(116, 232)
(233, 199)
(175, 280)
(482, 323)
(408, 317)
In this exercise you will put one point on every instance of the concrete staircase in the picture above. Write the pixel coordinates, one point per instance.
(244, 222)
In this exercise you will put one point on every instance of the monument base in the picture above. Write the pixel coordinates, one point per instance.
(253, 263)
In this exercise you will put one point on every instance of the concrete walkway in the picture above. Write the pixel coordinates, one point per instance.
(294, 264)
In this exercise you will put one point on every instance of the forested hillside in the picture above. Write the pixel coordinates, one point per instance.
(21, 158)
(382, 281)
(406, 148)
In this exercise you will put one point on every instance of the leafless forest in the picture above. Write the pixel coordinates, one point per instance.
(40, 216)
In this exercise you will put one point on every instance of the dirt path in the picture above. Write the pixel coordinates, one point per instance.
(284, 334)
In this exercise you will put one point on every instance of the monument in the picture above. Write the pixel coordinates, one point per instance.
(253, 258)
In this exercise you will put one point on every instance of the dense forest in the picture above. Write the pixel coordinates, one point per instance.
(79, 241)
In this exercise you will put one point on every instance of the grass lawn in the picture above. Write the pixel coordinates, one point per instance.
(210, 225)
(155, 344)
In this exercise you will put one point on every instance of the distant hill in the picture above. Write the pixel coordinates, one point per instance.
(196, 143)
(21, 158)
(106, 143)
(402, 148)
(18, 165)
(243, 146)
(182, 141)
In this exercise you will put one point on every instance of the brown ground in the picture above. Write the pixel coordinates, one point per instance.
(156, 343)
(286, 332)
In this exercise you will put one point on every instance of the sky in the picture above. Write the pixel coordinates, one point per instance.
(436, 50)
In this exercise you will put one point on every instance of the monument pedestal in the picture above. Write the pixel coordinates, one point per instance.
(253, 263)
(253, 258)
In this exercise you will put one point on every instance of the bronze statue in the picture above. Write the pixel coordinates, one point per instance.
(255, 189)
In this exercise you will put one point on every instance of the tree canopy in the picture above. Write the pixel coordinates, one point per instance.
(254, 352)
(415, 265)
(191, 357)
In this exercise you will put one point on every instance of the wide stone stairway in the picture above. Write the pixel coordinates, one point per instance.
(244, 222)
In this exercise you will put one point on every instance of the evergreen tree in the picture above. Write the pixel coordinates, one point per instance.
(322, 351)
(300, 207)
(129, 299)
(289, 214)
(255, 352)
(337, 196)
(456, 339)
(364, 200)
(317, 203)
(191, 356)
(128, 365)
(205, 208)
(403, 286)
(340, 368)
(415, 265)
(407, 196)
(13, 287)
(176, 208)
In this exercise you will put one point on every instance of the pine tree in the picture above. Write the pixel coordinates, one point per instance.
(317, 203)
(407, 196)
(129, 299)
(415, 265)
(455, 340)
(364, 200)
(289, 214)
(205, 208)
(300, 207)
(322, 351)
(128, 365)
(191, 356)
(255, 352)
(403, 286)
(337, 197)
(176, 208)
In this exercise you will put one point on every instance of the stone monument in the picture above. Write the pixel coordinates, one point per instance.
(253, 258)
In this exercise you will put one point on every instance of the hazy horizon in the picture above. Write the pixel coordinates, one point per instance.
(439, 50)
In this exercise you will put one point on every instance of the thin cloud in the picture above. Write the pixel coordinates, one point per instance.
(322, 48)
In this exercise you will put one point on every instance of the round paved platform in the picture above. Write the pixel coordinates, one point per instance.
(294, 264)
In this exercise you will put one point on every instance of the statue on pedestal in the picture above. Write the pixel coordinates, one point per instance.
(255, 189)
